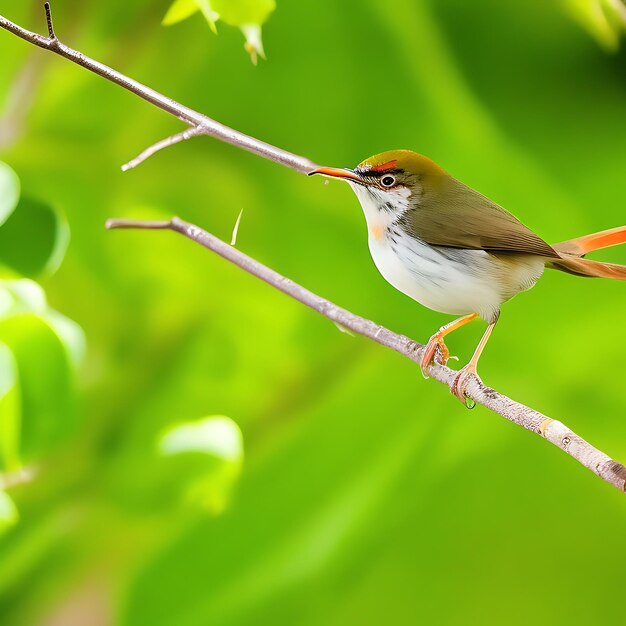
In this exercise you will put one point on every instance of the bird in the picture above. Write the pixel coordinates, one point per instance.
(453, 250)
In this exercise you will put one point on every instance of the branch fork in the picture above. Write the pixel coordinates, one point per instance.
(200, 123)
(554, 431)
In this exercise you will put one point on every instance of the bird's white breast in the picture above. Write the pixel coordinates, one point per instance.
(448, 280)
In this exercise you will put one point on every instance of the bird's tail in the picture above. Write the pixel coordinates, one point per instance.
(571, 255)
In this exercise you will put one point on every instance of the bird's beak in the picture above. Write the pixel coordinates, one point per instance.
(336, 172)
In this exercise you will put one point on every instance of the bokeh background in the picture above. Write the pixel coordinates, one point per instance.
(361, 493)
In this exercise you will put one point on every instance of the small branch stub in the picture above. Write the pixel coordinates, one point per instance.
(194, 131)
(51, 34)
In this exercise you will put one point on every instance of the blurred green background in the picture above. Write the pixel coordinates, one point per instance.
(363, 495)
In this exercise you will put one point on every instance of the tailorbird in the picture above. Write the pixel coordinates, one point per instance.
(455, 251)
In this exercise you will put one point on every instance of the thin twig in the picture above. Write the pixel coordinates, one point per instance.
(51, 34)
(204, 124)
(554, 431)
(193, 131)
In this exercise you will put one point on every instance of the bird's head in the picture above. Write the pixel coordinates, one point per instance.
(391, 182)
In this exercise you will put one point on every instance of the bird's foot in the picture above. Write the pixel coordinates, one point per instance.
(460, 382)
(435, 350)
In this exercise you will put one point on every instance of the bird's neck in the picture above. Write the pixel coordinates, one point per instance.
(382, 209)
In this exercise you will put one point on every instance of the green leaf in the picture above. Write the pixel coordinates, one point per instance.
(10, 411)
(70, 334)
(248, 16)
(9, 191)
(180, 10)
(33, 239)
(8, 512)
(254, 42)
(210, 15)
(218, 436)
(205, 458)
(39, 350)
(21, 296)
(46, 389)
(244, 12)
(26, 296)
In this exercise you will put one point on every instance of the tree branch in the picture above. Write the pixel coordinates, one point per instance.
(552, 430)
(192, 131)
(202, 124)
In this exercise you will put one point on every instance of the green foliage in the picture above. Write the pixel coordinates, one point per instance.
(37, 399)
(33, 235)
(182, 9)
(205, 458)
(45, 231)
(367, 495)
(242, 12)
(247, 15)
(604, 19)
(38, 347)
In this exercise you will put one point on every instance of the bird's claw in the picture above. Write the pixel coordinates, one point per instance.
(435, 350)
(460, 382)
(442, 354)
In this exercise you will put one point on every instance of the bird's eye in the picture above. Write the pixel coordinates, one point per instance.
(388, 181)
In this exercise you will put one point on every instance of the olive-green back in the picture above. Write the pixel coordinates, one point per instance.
(449, 213)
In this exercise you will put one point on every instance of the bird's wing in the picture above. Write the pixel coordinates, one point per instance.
(455, 215)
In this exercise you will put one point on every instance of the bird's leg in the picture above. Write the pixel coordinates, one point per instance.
(436, 348)
(462, 378)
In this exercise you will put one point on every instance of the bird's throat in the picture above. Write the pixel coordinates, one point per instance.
(382, 209)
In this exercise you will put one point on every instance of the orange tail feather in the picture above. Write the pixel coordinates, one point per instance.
(572, 251)
(591, 269)
(596, 241)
